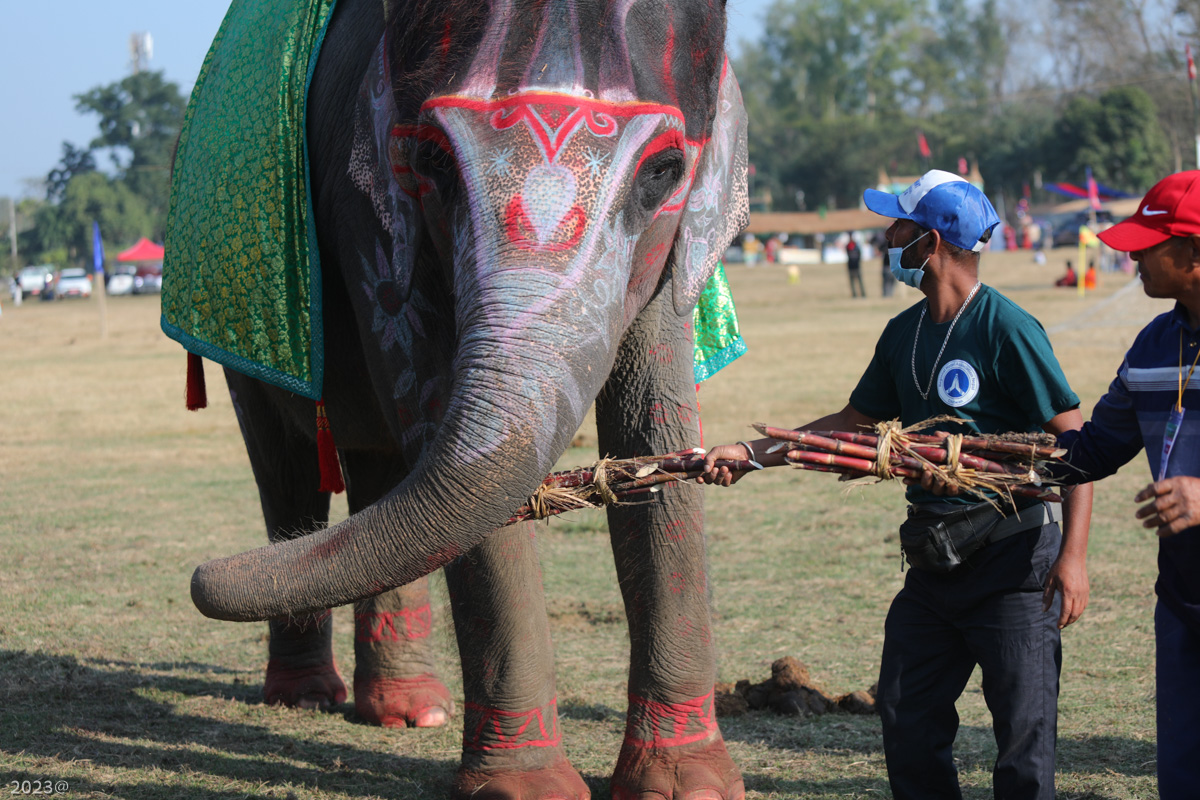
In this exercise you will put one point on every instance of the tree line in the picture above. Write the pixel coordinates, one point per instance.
(839, 90)
(139, 118)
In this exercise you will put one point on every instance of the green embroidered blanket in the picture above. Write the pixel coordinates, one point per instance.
(241, 272)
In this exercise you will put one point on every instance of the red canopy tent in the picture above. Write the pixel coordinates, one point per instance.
(144, 251)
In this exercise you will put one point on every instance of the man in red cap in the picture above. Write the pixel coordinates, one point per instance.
(1154, 405)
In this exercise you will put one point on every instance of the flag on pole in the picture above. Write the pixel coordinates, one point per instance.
(97, 249)
(923, 145)
(1093, 191)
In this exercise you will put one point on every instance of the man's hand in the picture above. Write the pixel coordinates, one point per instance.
(933, 480)
(1068, 576)
(1174, 505)
(723, 476)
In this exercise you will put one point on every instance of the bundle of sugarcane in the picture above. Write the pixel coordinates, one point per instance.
(1007, 465)
(612, 480)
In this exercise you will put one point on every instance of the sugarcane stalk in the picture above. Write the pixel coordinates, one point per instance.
(973, 443)
(914, 469)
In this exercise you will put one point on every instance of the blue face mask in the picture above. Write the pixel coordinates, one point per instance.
(912, 277)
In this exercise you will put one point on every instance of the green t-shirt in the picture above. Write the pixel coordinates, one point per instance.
(998, 373)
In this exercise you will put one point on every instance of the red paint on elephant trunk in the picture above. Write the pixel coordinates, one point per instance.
(520, 229)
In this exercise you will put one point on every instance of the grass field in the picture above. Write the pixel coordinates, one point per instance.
(113, 685)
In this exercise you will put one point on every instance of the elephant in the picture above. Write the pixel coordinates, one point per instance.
(517, 204)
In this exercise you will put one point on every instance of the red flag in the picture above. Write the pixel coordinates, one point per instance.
(962, 166)
(922, 145)
(1191, 65)
(1093, 190)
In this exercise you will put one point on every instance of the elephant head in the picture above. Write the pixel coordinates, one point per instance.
(560, 162)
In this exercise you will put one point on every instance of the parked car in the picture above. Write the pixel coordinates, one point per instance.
(33, 280)
(1066, 228)
(147, 279)
(121, 281)
(73, 282)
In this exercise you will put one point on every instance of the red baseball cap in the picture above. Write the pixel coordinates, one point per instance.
(1170, 208)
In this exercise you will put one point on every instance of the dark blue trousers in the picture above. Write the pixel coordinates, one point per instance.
(1177, 651)
(987, 612)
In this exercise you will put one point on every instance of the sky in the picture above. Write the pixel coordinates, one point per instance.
(50, 52)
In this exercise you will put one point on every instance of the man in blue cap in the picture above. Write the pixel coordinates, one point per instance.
(966, 351)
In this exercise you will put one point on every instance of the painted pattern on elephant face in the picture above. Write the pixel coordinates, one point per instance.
(559, 191)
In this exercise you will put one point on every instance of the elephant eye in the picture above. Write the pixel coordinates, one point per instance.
(659, 175)
(433, 156)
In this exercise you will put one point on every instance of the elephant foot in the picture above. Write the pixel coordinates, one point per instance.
(418, 702)
(557, 781)
(702, 771)
(318, 686)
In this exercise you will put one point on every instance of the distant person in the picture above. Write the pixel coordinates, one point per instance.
(1034, 232)
(1153, 404)
(1089, 277)
(772, 249)
(854, 268)
(750, 250)
(1069, 279)
(888, 285)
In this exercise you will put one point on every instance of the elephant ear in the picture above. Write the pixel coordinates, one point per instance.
(718, 206)
(379, 168)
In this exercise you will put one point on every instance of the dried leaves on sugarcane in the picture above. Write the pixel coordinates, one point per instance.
(610, 481)
(1004, 465)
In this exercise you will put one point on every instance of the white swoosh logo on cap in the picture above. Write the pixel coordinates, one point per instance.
(1146, 212)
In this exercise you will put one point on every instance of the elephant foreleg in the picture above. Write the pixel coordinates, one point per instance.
(673, 746)
(395, 684)
(511, 744)
(300, 668)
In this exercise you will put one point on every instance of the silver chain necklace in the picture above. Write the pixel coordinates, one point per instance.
(936, 361)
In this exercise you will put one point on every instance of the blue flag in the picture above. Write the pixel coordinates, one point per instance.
(97, 249)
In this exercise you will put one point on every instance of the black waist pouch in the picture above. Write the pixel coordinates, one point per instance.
(939, 537)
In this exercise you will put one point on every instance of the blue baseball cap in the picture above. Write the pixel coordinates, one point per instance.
(943, 202)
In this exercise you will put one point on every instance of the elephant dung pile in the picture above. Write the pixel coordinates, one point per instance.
(788, 691)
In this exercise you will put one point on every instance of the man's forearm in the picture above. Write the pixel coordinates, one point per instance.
(1077, 520)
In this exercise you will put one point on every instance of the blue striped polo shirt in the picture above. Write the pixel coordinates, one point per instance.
(1132, 417)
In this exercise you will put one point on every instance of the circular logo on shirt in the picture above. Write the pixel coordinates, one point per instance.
(957, 383)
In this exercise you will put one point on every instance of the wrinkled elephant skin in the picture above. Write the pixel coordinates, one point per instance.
(518, 204)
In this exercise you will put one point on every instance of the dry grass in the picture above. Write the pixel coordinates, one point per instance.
(110, 493)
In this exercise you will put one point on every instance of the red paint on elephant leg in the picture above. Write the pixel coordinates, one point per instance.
(702, 771)
(421, 701)
(654, 724)
(393, 626)
(558, 780)
(314, 686)
(488, 729)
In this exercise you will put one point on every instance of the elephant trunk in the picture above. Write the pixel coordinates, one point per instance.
(508, 421)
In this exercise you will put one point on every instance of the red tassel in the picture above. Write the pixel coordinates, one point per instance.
(197, 395)
(331, 468)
